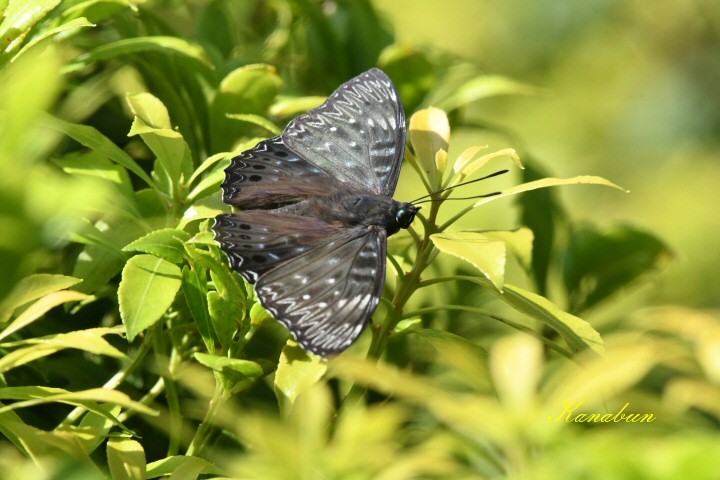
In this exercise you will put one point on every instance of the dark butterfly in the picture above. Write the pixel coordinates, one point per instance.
(318, 209)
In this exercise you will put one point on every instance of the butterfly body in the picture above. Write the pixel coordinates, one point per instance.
(317, 211)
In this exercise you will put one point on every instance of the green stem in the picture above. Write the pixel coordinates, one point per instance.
(205, 430)
(171, 393)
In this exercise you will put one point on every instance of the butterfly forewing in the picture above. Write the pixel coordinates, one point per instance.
(357, 135)
(270, 175)
(326, 296)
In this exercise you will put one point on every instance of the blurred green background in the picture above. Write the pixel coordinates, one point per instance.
(626, 90)
(630, 91)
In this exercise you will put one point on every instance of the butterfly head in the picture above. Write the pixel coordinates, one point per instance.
(404, 216)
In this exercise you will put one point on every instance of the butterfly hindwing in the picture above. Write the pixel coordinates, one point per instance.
(269, 175)
(357, 135)
(256, 241)
(326, 296)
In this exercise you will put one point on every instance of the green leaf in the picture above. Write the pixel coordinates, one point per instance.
(519, 242)
(89, 340)
(297, 371)
(484, 253)
(31, 396)
(256, 120)
(167, 244)
(174, 162)
(75, 24)
(93, 164)
(294, 106)
(167, 466)
(598, 263)
(251, 90)
(147, 289)
(93, 139)
(18, 18)
(96, 10)
(150, 110)
(31, 288)
(194, 287)
(576, 332)
(429, 133)
(483, 87)
(126, 459)
(40, 308)
(550, 182)
(168, 45)
(467, 164)
(226, 315)
(469, 359)
(236, 374)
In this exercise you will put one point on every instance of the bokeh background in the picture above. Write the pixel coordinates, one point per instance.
(629, 91)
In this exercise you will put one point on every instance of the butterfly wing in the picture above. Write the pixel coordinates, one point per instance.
(256, 241)
(327, 295)
(357, 135)
(270, 175)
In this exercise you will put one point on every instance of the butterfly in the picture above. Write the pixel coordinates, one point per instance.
(317, 212)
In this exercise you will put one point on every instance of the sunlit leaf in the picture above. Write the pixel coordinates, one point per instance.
(168, 465)
(166, 244)
(516, 363)
(126, 459)
(482, 252)
(429, 133)
(549, 182)
(40, 308)
(236, 374)
(125, 46)
(31, 288)
(297, 371)
(147, 289)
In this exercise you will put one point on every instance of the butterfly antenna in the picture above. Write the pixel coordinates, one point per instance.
(495, 174)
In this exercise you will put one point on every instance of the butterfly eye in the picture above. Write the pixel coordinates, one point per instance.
(403, 218)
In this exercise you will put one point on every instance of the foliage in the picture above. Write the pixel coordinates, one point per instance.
(130, 350)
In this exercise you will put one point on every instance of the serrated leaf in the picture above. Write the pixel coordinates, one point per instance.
(297, 371)
(167, 244)
(194, 287)
(40, 308)
(126, 459)
(550, 182)
(31, 288)
(484, 253)
(147, 289)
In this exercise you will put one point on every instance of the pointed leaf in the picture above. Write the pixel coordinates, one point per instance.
(297, 371)
(147, 289)
(194, 287)
(40, 308)
(167, 244)
(168, 45)
(482, 252)
(126, 459)
(31, 288)
(550, 182)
